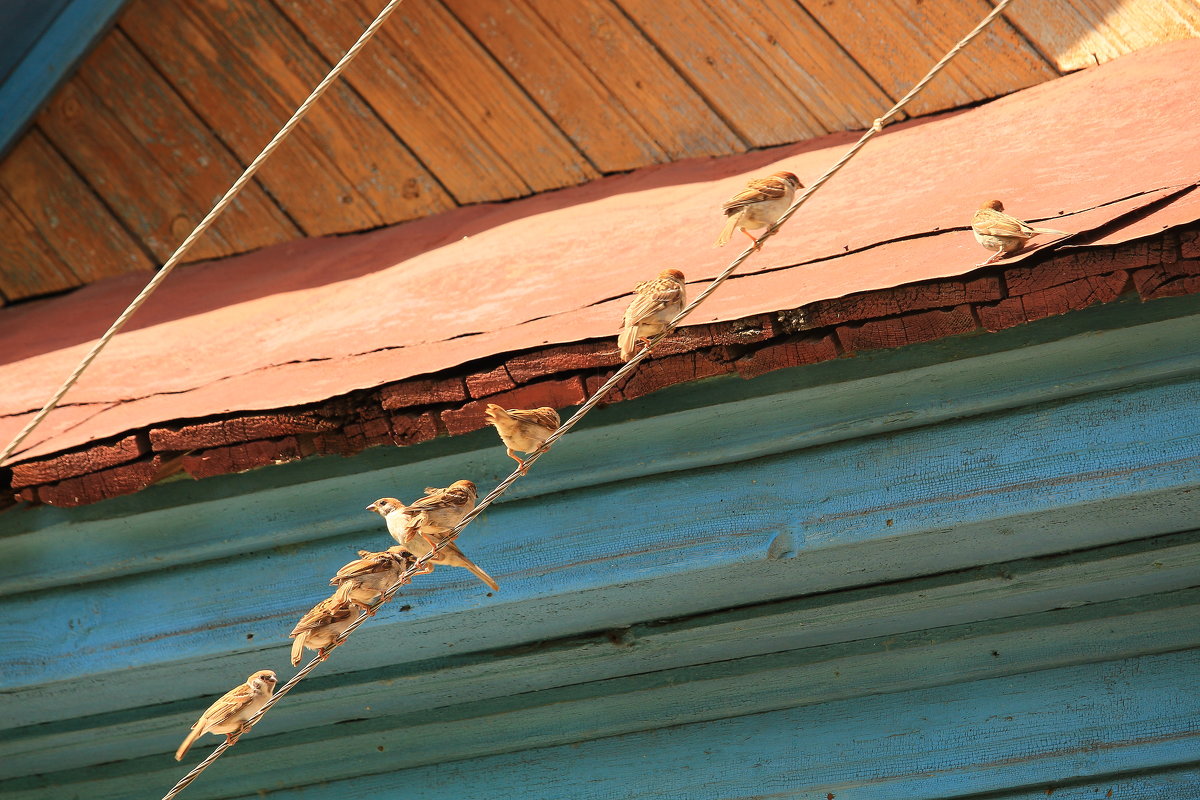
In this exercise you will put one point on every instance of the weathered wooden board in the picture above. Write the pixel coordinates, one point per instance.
(704, 667)
(444, 95)
(734, 78)
(28, 265)
(603, 83)
(1038, 480)
(970, 739)
(151, 202)
(88, 238)
(1081, 33)
(897, 41)
(244, 68)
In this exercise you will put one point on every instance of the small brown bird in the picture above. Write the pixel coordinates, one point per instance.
(364, 581)
(655, 304)
(1002, 232)
(229, 714)
(521, 430)
(759, 205)
(418, 537)
(317, 629)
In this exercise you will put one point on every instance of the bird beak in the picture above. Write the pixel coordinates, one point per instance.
(371, 507)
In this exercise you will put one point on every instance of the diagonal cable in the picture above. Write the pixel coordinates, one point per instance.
(599, 395)
(200, 229)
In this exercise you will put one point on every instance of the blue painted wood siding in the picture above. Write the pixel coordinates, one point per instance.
(41, 41)
(970, 569)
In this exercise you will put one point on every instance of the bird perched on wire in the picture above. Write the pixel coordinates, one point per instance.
(655, 304)
(522, 430)
(229, 714)
(759, 205)
(363, 581)
(1002, 232)
(317, 629)
(419, 527)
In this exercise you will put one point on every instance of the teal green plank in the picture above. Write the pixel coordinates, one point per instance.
(1071, 725)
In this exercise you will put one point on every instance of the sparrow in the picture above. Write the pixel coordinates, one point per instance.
(229, 714)
(1001, 232)
(655, 303)
(418, 537)
(317, 629)
(364, 581)
(522, 430)
(759, 205)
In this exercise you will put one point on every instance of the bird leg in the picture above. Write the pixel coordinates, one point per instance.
(514, 457)
(996, 256)
(753, 238)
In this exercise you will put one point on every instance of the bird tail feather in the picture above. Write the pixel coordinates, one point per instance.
(343, 593)
(192, 736)
(483, 576)
(627, 341)
(730, 226)
(298, 649)
(1050, 231)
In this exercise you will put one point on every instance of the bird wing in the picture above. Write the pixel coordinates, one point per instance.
(230, 703)
(323, 613)
(990, 222)
(757, 191)
(650, 297)
(440, 498)
(545, 417)
(370, 564)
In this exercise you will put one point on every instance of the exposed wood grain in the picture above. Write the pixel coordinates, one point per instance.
(732, 76)
(445, 96)
(828, 85)
(28, 265)
(71, 219)
(564, 87)
(604, 84)
(1082, 33)
(152, 202)
(897, 41)
(244, 68)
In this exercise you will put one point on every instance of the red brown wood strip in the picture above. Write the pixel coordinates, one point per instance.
(244, 68)
(734, 78)
(94, 458)
(28, 265)
(897, 41)
(72, 220)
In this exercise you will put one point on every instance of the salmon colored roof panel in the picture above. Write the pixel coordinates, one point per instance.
(306, 321)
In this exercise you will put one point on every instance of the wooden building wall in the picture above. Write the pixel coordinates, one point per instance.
(964, 569)
(468, 101)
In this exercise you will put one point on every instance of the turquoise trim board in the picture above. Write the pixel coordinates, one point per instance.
(965, 569)
(48, 60)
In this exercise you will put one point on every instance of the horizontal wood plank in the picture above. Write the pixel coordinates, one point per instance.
(897, 41)
(978, 738)
(88, 238)
(244, 68)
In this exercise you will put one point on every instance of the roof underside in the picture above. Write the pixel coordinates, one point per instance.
(330, 345)
(467, 101)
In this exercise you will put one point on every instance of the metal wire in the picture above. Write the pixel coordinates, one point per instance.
(591, 402)
(200, 229)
